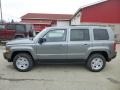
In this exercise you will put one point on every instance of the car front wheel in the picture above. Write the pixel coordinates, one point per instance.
(23, 62)
(96, 62)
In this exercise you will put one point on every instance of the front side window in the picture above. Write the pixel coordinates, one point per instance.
(10, 27)
(55, 36)
(79, 35)
(100, 34)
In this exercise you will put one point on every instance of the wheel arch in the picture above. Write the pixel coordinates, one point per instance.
(104, 53)
(17, 52)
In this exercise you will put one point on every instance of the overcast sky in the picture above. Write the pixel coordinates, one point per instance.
(14, 9)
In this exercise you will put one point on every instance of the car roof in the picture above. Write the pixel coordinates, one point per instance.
(81, 26)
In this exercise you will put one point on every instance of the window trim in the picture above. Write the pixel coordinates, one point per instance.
(57, 29)
(80, 29)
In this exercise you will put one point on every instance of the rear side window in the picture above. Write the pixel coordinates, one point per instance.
(100, 34)
(20, 28)
(79, 35)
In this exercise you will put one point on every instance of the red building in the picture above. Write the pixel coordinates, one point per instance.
(40, 20)
(105, 12)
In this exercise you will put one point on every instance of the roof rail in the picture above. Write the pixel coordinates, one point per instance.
(90, 25)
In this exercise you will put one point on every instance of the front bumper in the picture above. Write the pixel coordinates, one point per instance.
(7, 56)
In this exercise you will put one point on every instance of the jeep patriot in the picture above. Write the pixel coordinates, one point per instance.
(93, 45)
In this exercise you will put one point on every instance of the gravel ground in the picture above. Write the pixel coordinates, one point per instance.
(60, 77)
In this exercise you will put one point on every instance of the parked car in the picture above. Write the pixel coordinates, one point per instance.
(93, 45)
(9, 31)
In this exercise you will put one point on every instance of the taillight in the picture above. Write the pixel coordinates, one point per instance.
(114, 46)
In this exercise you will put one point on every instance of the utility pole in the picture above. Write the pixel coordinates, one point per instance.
(1, 11)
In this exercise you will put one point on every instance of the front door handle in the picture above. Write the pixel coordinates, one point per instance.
(85, 44)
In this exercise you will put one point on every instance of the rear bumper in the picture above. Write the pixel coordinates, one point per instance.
(114, 56)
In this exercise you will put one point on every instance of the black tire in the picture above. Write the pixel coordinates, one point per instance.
(28, 59)
(90, 62)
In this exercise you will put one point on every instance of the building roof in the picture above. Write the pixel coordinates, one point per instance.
(47, 16)
(47, 22)
(98, 2)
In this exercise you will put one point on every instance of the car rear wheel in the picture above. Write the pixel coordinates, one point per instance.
(23, 62)
(96, 62)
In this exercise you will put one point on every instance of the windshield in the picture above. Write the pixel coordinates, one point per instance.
(39, 34)
(2, 27)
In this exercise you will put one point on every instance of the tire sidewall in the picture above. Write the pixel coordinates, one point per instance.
(89, 66)
(28, 57)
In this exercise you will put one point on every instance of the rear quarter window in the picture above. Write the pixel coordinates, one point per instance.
(100, 34)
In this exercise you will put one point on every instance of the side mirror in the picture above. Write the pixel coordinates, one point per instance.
(41, 40)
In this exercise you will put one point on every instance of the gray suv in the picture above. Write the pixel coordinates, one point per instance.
(93, 45)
